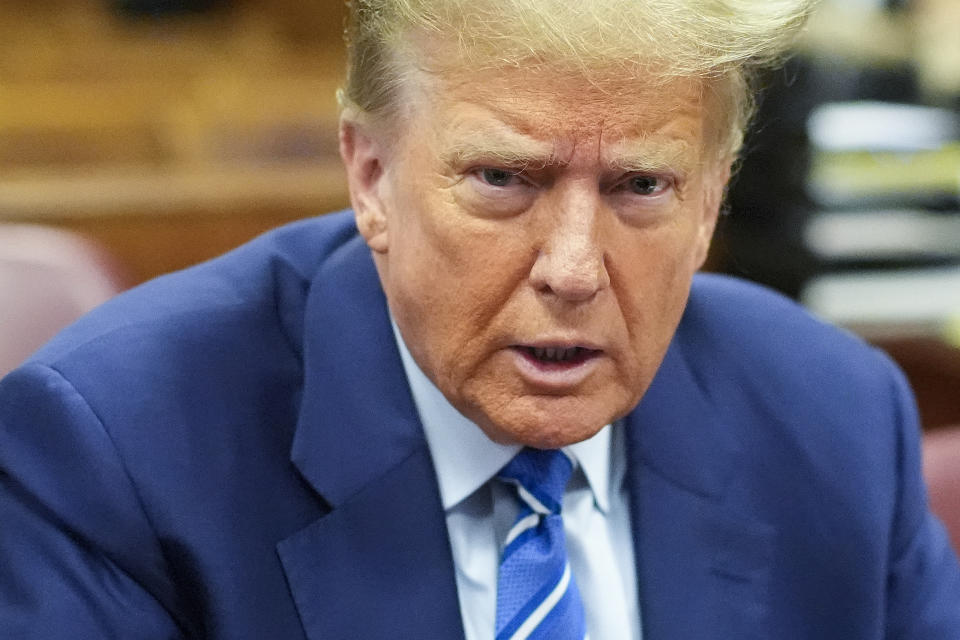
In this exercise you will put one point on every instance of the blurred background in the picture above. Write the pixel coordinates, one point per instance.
(168, 130)
(141, 136)
(138, 137)
(849, 195)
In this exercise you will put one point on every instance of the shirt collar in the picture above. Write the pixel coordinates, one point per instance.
(465, 458)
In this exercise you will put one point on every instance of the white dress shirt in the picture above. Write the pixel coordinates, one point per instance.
(480, 512)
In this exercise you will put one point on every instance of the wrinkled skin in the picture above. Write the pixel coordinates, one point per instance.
(514, 210)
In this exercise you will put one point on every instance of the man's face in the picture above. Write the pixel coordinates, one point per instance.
(536, 237)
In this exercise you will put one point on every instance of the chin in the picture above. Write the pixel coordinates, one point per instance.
(545, 422)
(558, 440)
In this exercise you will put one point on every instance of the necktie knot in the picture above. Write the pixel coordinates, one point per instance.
(541, 476)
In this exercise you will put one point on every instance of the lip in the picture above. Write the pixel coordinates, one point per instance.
(556, 376)
(560, 342)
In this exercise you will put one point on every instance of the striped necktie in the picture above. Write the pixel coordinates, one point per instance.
(536, 594)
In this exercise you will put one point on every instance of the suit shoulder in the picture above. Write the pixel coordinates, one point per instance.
(750, 322)
(208, 355)
(791, 369)
(264, 281)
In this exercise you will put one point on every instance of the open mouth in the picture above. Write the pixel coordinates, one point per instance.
(558, 356)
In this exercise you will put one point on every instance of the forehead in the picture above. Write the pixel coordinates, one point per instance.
(554, 113)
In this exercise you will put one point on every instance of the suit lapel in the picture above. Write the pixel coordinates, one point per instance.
(378, 565)
(702, 566)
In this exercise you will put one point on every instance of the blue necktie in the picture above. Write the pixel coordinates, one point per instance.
(536, 594)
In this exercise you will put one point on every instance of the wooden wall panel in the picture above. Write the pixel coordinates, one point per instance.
(169, 141)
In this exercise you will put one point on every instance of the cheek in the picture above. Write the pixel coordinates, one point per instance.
(451, 282)
(646, 265)
(650, 275)
(473, 265)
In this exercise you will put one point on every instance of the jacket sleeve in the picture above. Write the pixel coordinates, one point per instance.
(78, 557)
(923, 589)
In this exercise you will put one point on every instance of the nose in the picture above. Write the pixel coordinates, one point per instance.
(570, 264)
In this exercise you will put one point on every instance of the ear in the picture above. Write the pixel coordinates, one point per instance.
(363, 157)
(715, 189)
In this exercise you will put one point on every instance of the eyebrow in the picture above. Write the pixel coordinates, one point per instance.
(468, 152)
(672, 154)
(521, 152)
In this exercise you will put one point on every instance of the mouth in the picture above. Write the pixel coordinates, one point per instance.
(557, 357)
(556, 368)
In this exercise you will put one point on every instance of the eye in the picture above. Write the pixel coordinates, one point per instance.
(645, 185)
(498, 177)
(497, 192)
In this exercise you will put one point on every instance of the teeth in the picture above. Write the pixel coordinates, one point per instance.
(555, 354)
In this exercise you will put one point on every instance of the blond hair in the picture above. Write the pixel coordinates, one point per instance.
(721, 41)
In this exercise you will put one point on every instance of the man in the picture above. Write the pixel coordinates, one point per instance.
(492, 405)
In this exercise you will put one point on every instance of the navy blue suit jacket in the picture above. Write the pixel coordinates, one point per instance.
(232, 452)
